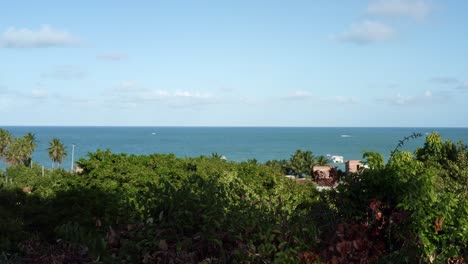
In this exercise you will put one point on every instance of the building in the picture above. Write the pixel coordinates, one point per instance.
(353, 166)
(321, 172)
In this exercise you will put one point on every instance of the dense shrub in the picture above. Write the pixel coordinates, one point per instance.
(164, 209)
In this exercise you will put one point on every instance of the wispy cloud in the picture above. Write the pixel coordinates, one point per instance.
(132, 93)
(112, 56)
(5, 102)
(298, 95)
(346, 100)
(367, 32)
(416, 9)
(39, 93)
(444, 80)
(5, 98)
(306, 96)
(45, 36)
(10, 98)
(452, 81)
(65, 72)
(463, 86)
(428, 97)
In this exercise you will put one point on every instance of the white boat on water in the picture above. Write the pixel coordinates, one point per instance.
(335, 159)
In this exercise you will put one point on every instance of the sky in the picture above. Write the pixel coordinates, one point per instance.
(390, 63)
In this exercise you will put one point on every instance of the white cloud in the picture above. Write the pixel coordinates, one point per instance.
(39, 93)
(346, 100)
(457, 83)
(445, 80)
(115, 56)
(302, 95)
(45, 36)
(427, 97)
(127, 86)
(463, 86)
(191, 94)
(5, 102)
(367, 32)
(65, 72)
(400, 99)
(298, 95)
(133, 94)
(416, 9)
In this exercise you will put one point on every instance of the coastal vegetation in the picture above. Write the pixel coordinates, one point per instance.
(160, 208)
(57, 151)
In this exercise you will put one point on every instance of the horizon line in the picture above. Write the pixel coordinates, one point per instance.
(228, 126)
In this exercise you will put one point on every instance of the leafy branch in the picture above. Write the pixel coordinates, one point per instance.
(402, 142)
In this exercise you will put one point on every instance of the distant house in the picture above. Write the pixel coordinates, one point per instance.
(321, 172)
(353, 166)
(325, 175)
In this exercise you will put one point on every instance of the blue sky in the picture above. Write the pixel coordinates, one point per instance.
(234, 63)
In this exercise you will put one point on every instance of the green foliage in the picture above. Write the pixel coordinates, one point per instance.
(56, 151)
(17, 151)
(5, 141)
(301, 162)
(322, 161)
(418, 202)
(189, 208)
(164, 209)
(374, 160)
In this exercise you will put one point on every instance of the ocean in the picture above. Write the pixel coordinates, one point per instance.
(235, 143)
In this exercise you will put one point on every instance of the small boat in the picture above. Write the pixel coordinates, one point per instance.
(154, 133)
(335, 159)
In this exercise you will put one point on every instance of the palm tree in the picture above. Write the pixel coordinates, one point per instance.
(322, 161)
(5, 141)
(18, 152)
(301, 162)
(30, 146)
(57, 151)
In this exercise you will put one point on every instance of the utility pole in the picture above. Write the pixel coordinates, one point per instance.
(73, 154)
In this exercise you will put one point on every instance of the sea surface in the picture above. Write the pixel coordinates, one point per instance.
(235, 143)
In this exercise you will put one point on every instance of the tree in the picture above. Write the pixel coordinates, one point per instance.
(436, 151)
(302, 162)
(374, 160)
(5, 141)
(282, 165)
(322, 161)
(30, 146)
(18, 152)
(57, 151)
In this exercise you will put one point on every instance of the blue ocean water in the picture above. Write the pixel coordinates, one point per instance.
(236, 143)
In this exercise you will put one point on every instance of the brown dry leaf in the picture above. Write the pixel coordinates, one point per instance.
(438, 223)
(334, 260)
(356, 244)
(341, 247)
(98, 222)
(163, 244)
(112, 238)
(374, 204)
(378, 215)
